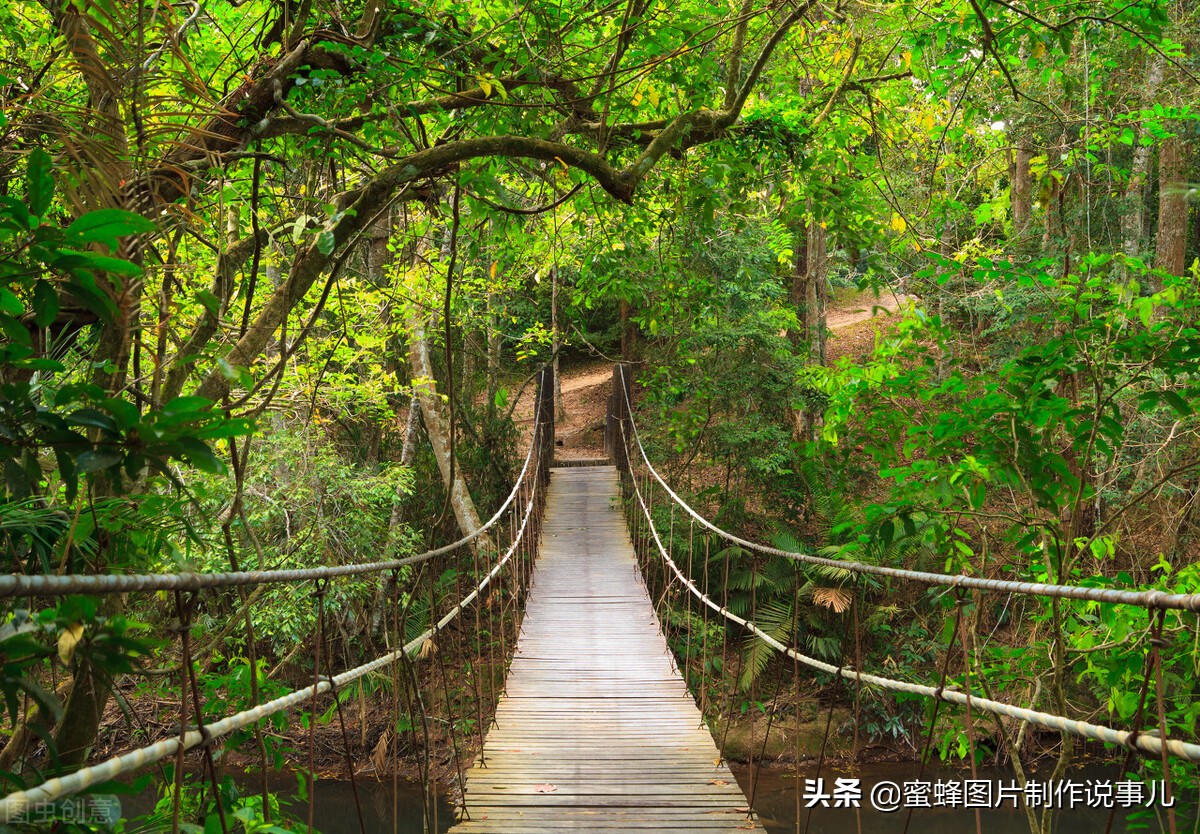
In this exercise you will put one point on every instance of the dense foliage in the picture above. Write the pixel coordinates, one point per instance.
(275, 277)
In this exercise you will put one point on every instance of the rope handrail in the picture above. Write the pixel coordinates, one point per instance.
(15, 584)
(1141, 741)
(1144, 599)
(17, 803)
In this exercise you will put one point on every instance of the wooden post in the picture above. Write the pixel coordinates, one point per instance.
(610, 429)
(619, 416)
(545, 417)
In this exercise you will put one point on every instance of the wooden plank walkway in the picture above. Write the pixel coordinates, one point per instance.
(597, 731)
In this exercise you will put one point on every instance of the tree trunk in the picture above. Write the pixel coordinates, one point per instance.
(628, 333)
(1021, 188)
(1171, 245)
(493, 352)
(1133, 217)
(809, 295)
(560, 408)
(1052, 204)
(816, 292)
(437, 427)
(798, 289)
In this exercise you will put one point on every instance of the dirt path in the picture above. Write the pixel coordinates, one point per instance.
(861, 306)
(585, 389)
(853, 318)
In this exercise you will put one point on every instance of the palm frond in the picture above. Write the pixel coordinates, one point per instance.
(837, 599)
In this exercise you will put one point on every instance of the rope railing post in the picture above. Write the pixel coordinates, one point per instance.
(610, 421)
(16, 584)
(621, 419)
(1145, 743)
(15, 804)
(543, 430)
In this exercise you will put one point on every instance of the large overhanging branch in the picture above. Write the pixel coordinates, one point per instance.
(361, 204)
(228, 129)
(701, 126)
(247, 113)
(206, 327)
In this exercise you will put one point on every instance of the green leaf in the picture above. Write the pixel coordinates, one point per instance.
(887, 532)
(66, 471)
(326, 242)
(210, 302)
(45, 304)
(47, 702)
(187, 405)
(9, 303)
(200, 456)
(1181, 406)
(14, 214)
(16, 332)
(93, 418)
(98, 459)
(39, 182)
(226, 428)
(107, 226)
(125, 413)
(91, 260)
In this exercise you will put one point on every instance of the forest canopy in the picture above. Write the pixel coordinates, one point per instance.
(278, 275)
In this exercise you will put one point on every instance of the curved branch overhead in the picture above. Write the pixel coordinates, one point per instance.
(272, 271)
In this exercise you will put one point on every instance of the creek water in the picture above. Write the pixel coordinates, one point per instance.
(775, 801)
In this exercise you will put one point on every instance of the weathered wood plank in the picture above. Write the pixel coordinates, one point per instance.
(597, 731)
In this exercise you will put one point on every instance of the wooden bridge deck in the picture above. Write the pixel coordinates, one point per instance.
(597, 731)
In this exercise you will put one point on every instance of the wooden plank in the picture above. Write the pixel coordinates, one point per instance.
(596, 730)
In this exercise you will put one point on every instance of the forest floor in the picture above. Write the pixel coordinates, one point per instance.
(854, 318)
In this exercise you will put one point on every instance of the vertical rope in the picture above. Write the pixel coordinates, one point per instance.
(508, 588)
(428, 802)
(337, 702)
(821, 757)
(762, 753)
(185, 660)
(729, 694)
(1131, 744)
(454, 731)
(477, 661)
(664, 582)
(704, 641)
(415, 704)
(456, 742)
(962, 642)
(753, 673)
(238, 465)
(1168, 800)
(854, 602)
(397, 641)
(691, 574)
(796, 687)
(322, 586)
(432, 645)
(210, 765)
(495, 596)
(937, 702)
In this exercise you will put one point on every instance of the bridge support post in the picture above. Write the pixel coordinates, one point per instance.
(618, 416)
(544, 409)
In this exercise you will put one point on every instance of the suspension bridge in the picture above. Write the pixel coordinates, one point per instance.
(595, 729)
